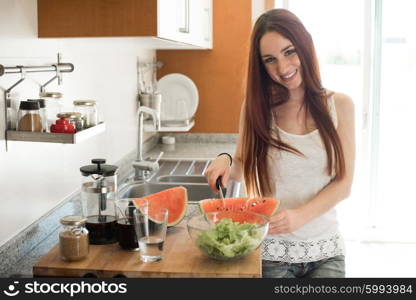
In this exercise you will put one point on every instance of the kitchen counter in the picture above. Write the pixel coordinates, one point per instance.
(194, 148)
(187, 146)
(181, 259)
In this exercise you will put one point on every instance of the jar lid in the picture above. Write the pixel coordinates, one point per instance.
(73, 220)
(99, 168)
(40, 101)
(85, 102)
(69, 115)
(29, 105)
(55, 95)
(63, 122)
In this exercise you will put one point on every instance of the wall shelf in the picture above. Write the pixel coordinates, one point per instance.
(63, 138)
(58, 69)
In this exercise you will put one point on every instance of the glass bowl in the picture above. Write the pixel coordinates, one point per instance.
(228, 235)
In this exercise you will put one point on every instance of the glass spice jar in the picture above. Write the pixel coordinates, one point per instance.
(74, 117)
(53, 105)
(73, 238)
(29, 118)
(88, 109)
(42, 112)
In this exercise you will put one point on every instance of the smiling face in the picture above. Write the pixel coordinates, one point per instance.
(281, 60)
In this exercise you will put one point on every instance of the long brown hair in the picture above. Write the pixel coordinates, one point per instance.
(264, 94)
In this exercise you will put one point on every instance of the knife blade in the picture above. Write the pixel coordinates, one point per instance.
(221, 189)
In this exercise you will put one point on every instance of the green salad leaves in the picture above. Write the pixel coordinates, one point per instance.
(229, 239)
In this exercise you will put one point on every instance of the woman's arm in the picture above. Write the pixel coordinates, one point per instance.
(289, 220)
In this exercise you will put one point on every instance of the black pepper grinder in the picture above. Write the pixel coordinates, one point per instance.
(98, 194)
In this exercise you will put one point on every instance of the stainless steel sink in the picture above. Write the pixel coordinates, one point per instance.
(196, 192)
(182, 178)
(174, 172)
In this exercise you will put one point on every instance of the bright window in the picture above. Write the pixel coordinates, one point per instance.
(378, 74)
(397, 150)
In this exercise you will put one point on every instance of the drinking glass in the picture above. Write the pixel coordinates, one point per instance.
(126, 234)
(151, 225)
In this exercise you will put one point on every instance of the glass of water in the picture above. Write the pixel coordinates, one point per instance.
(150, 226)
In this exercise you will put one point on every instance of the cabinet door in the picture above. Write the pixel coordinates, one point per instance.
(172, 20)
(208, 24)
(201, 22)
(166, 19)
(186, 21)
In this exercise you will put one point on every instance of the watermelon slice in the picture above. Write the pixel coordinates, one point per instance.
(264, 206)
(237, 217)
(175, 200)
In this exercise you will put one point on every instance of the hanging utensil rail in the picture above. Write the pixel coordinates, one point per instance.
(61, 67)
(57, 68)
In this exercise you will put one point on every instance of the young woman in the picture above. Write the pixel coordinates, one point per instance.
(296, 143)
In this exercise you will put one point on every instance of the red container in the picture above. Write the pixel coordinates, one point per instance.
(63, 126)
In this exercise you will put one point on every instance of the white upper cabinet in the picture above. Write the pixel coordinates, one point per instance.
(186, 21)
(172, 24)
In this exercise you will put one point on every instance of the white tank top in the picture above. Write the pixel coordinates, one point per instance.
(297, 179)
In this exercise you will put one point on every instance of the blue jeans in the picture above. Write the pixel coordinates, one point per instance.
(326, 268)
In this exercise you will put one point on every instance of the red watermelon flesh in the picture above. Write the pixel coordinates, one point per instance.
(237, 216)
(264, 206)
(175, 200)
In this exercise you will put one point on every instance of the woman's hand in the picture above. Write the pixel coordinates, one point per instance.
(219, 167)
(286, 221)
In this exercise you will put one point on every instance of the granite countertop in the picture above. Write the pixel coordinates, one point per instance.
(191, 150)
(187, 146)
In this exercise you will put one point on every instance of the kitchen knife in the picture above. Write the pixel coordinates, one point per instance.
(221, 189)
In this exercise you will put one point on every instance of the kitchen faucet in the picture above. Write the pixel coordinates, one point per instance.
(141, 166)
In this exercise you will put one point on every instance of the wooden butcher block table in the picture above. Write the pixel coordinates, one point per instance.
(181, 258)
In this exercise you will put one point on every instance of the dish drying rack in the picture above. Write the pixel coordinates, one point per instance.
(165, 125)
(171, 126)
(47, 137)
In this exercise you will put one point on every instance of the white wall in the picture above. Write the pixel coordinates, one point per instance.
(35, 177)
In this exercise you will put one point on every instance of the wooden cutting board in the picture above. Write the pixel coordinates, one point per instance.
(181, 258)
